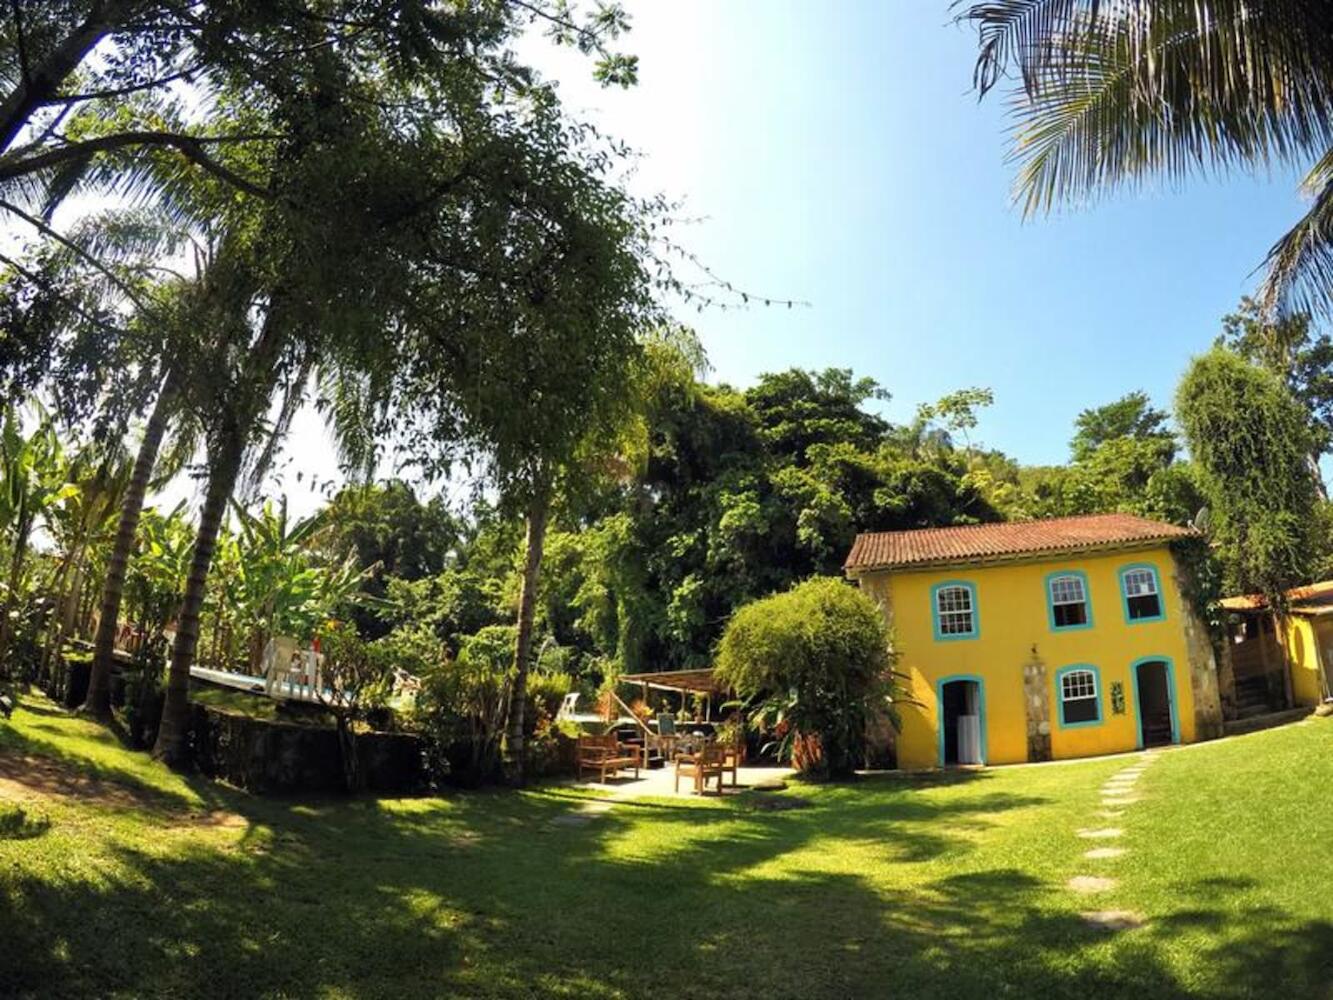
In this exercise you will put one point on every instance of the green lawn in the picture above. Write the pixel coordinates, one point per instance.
(128, 880)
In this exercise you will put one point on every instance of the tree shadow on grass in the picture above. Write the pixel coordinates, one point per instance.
(17, 824)
(486, 894)
(1252, 949)
(46, 769)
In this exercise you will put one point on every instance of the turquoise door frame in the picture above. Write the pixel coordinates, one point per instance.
(1169, 667)
(939, 710)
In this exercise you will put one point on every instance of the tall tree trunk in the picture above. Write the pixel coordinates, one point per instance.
(527, 602)
(244, 407)
(55, 630)
(225, 467)
(98, 702)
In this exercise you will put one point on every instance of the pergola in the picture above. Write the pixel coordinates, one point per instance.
(699, 681)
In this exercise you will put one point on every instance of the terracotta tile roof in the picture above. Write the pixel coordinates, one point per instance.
(1315, 595)
(976, 542)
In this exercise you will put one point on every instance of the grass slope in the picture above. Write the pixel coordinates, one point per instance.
(127, 880)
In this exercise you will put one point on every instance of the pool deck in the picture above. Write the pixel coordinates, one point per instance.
(253, 685)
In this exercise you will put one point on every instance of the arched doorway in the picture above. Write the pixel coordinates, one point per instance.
(961, 705)
(1155, 702)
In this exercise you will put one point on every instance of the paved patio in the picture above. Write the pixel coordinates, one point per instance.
(660, 783)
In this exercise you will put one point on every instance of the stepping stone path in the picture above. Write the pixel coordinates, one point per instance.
(1117, 801)
(585, 813)
(1091, 883)
(1117, 793)
(1114, 920)
(1105, 834)
(1104, 853)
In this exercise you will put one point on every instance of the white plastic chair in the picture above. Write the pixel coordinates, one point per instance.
(279, 652)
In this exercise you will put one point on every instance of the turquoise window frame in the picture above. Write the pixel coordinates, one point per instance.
(939, 713)
(971, 588)
(1060, 695)
(1170, 697)
(1050, 599)
(1124, 594)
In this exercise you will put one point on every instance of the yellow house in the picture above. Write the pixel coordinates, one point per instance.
(1041, 640)
(1277, 661)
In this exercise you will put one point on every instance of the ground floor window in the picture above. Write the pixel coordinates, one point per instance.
(1080, 703)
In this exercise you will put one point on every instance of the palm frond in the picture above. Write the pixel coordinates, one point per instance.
(1299, 269)
(1116, 93)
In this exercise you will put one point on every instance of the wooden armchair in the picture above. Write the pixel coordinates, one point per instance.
(701, 767)
(605, 755)
(733, 756)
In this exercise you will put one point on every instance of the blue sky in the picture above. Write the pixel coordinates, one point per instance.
(835, 153)
(838, 155)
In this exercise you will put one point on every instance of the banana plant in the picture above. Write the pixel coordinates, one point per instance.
(84, 521)
(33, 483)
(156, 570)
(279, 585)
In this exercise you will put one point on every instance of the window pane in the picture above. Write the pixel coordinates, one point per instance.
(1078, 684)
(955, 599)
(1070, 614)
(954, 609)
(1147, 606)
(1139, 582)
(1067, 590)
(1078, 697)
(1081, 710)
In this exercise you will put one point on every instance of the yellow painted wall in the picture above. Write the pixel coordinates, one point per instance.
(1303, 656)
(1013, 617)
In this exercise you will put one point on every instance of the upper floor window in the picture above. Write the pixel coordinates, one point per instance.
(1079, 701)
(955, 610)
(1142, 593)
(1068, 593)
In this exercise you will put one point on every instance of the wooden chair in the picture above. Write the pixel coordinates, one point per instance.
(701, 767)
(605, 755)
(662, 742)
(733, 757)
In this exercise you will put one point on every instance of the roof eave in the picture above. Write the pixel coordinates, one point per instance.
(1043, 555)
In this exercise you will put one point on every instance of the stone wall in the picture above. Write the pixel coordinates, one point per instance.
(285, 758)
(1037, 700)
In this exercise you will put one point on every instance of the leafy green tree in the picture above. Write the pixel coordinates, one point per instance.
(465, 701)
(389, 527)
(1251, 440)
(814, 661)
(1110, 95)
(797, 409)
(64, 113)
(1131, 416)
(957, 411)
(356, 677)
(1290, 349)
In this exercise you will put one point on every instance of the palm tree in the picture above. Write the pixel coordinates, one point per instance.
(98, 700)
(1112, 94)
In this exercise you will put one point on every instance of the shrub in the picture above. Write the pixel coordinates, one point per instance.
(357, 677)
(815, 664)
(463, 701)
